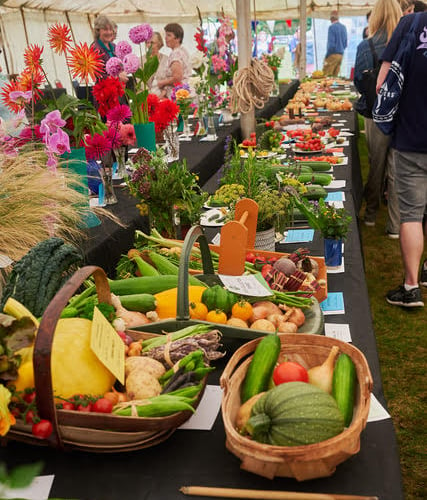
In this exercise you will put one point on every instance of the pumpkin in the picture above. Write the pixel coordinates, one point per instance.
(166, 300)
(295, 414)
(75, 368)
(218, 297)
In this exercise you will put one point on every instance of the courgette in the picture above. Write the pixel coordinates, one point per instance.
(344, 385)
(261, 367)
(142, 302)
(315, 192)
(143, 284)
(166, 267)
(319, 178)
(316, 166)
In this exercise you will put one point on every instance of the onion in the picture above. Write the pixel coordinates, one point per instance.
(263, 324)
(285, 266)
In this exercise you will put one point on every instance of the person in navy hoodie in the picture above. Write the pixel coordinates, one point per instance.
(409, 142)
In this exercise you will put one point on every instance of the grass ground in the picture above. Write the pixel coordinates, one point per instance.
(401, 338)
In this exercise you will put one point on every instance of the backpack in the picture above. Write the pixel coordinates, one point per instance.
(386, 104)
(368, 85)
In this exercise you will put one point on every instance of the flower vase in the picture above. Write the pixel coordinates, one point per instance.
(186, 132)
(76, 164)
(107, 181)
(211, 129)
(275, 89)
(227, 117)
(145, 136)
(333, 252)
(171, 137)
(200, 129)
(120, 154)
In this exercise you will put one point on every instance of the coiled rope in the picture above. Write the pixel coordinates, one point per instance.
(252, 87)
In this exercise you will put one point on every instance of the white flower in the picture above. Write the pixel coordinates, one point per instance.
(197, 59)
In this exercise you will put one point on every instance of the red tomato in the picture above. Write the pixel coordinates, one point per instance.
(83, 407)
(266, 269)
(250, 257)
(66, 405)
(42, 429)
(29, 397)
(289, 371)
(29, 417)
(103, 405)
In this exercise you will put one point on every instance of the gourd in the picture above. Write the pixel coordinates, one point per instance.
(166, 300)
(218, 297)
(75, 368)
(294, 414)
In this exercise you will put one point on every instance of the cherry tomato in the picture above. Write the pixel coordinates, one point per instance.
(84, 407)
(250, 257)
(29, 397)
(29, 416)
(66, 405)
(42, 429)
(289, 371)
(102, 405)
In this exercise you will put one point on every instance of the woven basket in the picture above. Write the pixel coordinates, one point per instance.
(314, 315)
(83, 430)
(300, 462)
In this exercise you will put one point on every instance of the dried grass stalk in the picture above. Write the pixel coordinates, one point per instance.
(36, 204)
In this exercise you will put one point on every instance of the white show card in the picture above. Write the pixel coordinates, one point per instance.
(338, 153)
(337, 184)
(340, 331)
(337, 204)
(377, 411)
(345, 133)
(246, 285)
(336, 270)
(38, 490)
(216, 240)
(206, 412)
(337, 124)
(343, 162)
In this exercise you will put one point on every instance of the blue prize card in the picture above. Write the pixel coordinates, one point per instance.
(299, 235)
(334, 304)
(335, 196)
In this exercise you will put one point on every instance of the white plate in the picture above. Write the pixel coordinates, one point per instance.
(217, 213)
(303, 151)
(259, 157)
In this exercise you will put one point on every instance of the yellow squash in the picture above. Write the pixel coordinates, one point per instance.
(75, 368)
(166, 301)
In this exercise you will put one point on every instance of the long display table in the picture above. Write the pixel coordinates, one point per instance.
(192, 457)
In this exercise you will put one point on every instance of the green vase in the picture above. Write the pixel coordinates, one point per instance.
(76, 163)
(145, 136)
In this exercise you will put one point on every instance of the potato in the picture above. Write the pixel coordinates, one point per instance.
(142, 385)
(144, 364)
(244, 412)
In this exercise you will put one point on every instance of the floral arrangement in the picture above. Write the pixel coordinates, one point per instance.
(20, 95)
(163, 112)
(332, 222)
(162, 188)
(126, 60)
(274, 62)
(182, 96)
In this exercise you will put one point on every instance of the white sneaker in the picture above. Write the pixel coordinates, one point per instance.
(393, 236)
(369, 223)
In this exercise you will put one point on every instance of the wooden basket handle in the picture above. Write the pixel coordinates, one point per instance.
(194, 234)
(235, 360)
(43, 343)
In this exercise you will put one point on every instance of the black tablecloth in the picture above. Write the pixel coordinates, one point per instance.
(200, 457)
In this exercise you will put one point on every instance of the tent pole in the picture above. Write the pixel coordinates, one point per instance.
(25, 24)
(244, 39)
(303, 39)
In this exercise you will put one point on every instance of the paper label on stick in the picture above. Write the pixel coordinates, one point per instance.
(108, 347)
(253, 285)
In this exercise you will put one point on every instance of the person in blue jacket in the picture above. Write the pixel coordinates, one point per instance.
(337, 43)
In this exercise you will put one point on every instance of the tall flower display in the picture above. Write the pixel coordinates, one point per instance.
(126, 60)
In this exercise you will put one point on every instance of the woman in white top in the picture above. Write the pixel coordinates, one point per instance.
(156, 43)
(178, 63)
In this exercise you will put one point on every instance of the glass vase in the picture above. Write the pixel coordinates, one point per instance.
(200, 129)
(120, 154)
(171, 137)
(333, 252)
(186, 131)
(211, 129)
(107, 181)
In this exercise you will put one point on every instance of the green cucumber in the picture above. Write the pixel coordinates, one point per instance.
(261, 367)
(315, 192)
(166, 267)
(316, 166)
(142, 302)
(344, 386)
(316, 178)
(143, 284)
